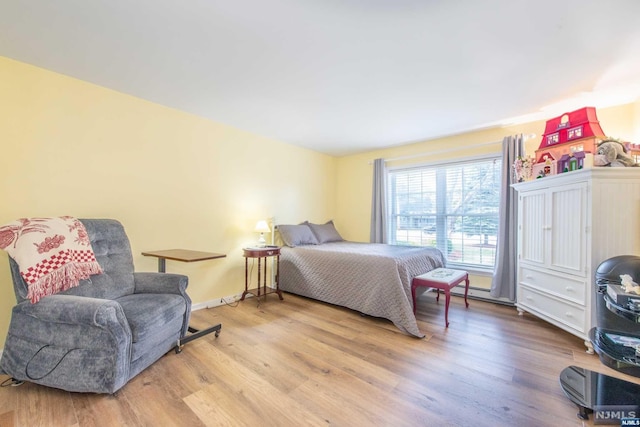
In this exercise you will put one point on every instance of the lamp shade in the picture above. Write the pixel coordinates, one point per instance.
(262, 227)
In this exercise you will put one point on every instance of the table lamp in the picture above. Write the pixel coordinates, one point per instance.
(262, 227)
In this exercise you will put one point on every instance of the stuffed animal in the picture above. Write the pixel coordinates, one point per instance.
(629, 285)
(613, 153)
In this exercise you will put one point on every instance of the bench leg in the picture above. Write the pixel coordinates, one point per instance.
(447, 295)
(413, 296)
(466, 291)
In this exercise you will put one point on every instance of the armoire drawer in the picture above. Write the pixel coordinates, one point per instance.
(560, 311)
(573, 289)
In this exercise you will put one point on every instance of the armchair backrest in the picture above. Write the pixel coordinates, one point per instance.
(113, 252)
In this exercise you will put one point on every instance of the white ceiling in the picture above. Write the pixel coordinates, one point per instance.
(341, 76)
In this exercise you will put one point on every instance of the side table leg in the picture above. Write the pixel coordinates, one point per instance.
(264, 283)
(246, 279)
(259, 289)
(277, 277)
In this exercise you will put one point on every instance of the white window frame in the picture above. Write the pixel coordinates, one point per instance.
(441, 238)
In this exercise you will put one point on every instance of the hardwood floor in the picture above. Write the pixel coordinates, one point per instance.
(300, 362)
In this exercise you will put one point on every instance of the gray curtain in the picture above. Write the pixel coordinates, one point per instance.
(503, 284)
(379, 203)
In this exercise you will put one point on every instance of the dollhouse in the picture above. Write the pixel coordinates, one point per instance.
(569, 142)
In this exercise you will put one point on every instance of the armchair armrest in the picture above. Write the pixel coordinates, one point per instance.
(164, 283)
(160, 283)
(75, 310)
(70, 342)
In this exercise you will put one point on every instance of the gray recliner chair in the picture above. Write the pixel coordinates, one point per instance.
(97, 336)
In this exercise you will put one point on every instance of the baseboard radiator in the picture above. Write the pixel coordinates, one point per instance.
(480, 294)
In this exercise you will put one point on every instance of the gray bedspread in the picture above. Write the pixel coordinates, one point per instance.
(372, 278)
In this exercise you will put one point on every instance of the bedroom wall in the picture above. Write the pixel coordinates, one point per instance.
(354, 173)
(173, 179)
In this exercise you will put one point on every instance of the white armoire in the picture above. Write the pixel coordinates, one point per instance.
(567, 225)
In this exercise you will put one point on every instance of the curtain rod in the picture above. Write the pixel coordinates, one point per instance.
(448, 150)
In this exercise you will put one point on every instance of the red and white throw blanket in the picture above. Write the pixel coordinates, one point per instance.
(53, 254)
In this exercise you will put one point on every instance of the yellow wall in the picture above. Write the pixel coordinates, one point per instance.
(355, 173)
(173, 179)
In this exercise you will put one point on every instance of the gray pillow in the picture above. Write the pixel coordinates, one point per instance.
(325, 232)
(296, 235)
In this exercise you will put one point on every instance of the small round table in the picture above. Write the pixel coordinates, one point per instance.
(262, 289)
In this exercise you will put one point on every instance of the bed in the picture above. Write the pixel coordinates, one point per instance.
(371, 278)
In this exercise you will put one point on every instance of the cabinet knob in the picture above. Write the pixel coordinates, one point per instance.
(568, 289)
(568, 314)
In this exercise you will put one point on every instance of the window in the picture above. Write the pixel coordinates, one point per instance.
(452, 206)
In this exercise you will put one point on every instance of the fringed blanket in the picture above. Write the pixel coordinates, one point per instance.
(53, 254)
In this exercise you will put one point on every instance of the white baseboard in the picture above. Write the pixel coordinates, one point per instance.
(216, 302)
(481, 294)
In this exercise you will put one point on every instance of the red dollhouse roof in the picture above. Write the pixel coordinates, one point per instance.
(573, 126)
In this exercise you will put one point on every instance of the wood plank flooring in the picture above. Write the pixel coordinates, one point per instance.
(299, 362)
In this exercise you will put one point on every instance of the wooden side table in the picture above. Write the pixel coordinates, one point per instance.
(185, 255)
(261, 289)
